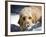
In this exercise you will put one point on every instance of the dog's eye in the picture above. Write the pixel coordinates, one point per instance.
(29, 17)
(23, 18)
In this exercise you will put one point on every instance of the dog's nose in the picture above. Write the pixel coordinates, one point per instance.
(27, 25)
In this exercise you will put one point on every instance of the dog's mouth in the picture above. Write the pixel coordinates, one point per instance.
(28, 26)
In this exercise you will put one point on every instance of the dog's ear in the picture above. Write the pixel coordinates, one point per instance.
(19, 21)
(34, 19)
(40, 20)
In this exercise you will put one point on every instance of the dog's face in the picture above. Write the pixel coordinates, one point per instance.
(26, 19)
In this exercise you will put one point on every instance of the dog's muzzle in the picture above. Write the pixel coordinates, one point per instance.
(27, 24)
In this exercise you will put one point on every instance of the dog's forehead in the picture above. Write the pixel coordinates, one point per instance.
(26, 11)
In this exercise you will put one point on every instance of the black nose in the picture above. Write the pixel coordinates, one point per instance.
(27, 25)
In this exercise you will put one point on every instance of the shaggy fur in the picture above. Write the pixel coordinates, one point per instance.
(29, 16)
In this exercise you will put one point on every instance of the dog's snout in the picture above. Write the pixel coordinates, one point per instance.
(27, 25)
(27, 22)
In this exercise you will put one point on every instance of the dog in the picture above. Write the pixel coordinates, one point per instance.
(29, 16)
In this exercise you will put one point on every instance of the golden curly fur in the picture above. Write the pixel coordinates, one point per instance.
(29, 16)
